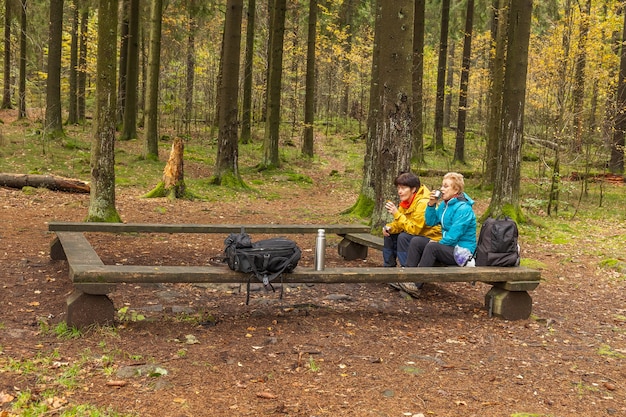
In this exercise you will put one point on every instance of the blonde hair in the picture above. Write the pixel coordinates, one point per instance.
(457, 180)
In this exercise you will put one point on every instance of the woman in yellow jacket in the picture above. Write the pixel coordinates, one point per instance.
(408, 219)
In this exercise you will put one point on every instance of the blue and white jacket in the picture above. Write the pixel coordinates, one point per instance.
(457, 220)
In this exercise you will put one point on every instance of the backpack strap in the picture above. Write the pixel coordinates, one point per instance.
(273, 275)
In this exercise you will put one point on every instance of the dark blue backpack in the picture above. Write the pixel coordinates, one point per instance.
(265, 259)
(497, 243)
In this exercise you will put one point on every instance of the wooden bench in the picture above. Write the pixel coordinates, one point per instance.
(339, 229)
(355, 245)
(93, 280)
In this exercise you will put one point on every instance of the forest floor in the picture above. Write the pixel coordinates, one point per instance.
(323, 350)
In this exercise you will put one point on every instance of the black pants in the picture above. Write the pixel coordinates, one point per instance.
(426, 252)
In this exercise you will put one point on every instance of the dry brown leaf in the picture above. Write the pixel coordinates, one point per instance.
(5, 398)
(266, 395)
(116, 383)
(610, 386)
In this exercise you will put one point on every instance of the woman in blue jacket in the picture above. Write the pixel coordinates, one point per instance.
(458, 226)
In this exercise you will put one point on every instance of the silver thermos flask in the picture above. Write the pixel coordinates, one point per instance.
(320, 249)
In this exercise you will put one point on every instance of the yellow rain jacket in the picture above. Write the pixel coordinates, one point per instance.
(412, 220)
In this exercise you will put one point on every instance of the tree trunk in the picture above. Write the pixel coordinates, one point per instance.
(152, 91)
(226, 169)
(616, 163)
(364, 205)
(123, 65)
(560, 127)
(82, 62)
(309, 98)
(246, 117)
(505, 196)
(54, 124)
(346, 16)
(418, 80)
(578, 93)
(102, 197)
(496, 70)
(459, 149)
(272, 125)
(72, 117)
(6, 95)
(144, 78)
(447, 107)
(393, 142)
(441, 75)
(129, 129)
(191, 63)
(22, 82)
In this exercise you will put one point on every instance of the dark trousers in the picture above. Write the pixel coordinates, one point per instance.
(426, 252)
(397, 246)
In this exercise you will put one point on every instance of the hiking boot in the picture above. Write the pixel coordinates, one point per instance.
(411, 288)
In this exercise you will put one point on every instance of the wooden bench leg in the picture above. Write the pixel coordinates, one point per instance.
(509, 305)
(84, 309)
(57, 253)
(351, 250)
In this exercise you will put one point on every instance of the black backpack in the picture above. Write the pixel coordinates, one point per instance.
(497, 243)
(266, 259)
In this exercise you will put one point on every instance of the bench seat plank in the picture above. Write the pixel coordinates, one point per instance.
(77, 249)
(366, 239)
(339, 229)
(222, 274)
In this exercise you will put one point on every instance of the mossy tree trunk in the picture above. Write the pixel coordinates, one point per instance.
(496, 71)
(459, 149)
(102, 196)
(129, 129)
(226, 166)
(246, 114)
(72, 106)
(53, 123)
(122, 64)
(6, 95)
(190, 69)
(22, 81)
(82, 62)
(616, 162)
(441, 75)
(418, 80)
(272, 125)
(309, 98)
(364, 205)
(152, 90)
(505, 196)
(393, 142)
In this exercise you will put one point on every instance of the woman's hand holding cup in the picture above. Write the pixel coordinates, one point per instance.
(390, 207)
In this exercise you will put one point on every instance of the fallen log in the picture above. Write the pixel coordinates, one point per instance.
(43, 181)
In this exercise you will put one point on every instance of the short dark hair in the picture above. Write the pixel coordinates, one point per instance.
(408, 179)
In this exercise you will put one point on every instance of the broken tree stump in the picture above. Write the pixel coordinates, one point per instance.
(173, 184)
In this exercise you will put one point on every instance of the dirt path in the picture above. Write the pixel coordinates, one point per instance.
(335, 350)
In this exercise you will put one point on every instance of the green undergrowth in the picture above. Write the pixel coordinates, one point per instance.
(593, 224)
